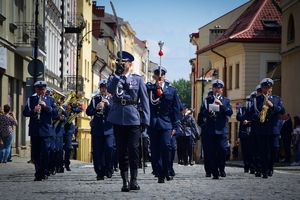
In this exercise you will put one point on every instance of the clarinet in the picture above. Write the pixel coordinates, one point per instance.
(39, 111)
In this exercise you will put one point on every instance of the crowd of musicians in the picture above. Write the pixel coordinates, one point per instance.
(126, 112)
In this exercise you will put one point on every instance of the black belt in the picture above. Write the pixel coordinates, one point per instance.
(125, 102)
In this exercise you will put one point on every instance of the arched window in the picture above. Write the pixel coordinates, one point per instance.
(291, 29)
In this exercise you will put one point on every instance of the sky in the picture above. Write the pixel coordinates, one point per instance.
(170, 21)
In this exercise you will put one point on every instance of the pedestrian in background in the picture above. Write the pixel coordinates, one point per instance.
(296, 140)
(286, 131)
(128, 90)
(7, 121)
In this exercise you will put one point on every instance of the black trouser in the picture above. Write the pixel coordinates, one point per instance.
(127, 142)
(287, 149)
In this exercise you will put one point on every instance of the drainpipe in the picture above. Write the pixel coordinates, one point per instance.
(224, 72)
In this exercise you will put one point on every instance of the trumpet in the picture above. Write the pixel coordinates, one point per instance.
(39, 111)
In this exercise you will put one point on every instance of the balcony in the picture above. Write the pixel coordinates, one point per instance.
(71, 83)
(25, 37)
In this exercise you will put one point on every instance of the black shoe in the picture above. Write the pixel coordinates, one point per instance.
(216, 177)
(100, 178)
(264, 175)
(191, 163)
(9, 160)
(60, 170)
(252, 172)
(257, 174)
(116, 169)
(246, 171)
(172, 172)
(270, 173)
(134, 186)
(169, 178)
(37, 179)
(186, 164)
(208, 175)
(161, 179)
(68, 168)
(108, 174)
(125, 187)
(222, 174)
(53, 172)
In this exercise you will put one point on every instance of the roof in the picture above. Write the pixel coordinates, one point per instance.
(250, 26)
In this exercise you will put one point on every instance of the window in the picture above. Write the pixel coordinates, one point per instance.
(291, 29)
(271, 24)
(271, 65)
(230, 77)
(237, 75)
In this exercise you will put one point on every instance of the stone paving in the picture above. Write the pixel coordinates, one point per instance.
(16, 179)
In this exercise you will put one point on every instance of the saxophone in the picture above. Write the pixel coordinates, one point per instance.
(39, 111)
(265, 108)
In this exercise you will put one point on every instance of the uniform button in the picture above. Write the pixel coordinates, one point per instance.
(157, 112)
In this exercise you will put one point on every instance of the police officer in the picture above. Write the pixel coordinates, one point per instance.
(58, 124)
(244, 135)
(189, 133)
(128, 90)
(201, 121)
(102, 132)
(164, 121)
(255, 166)
(68, 136)
(216, 109)
(266, 108)
(41, 109)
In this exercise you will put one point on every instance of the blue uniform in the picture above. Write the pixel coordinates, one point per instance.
(41, 132)
(56, 158)
(102, 137)
(201, 121)
(165, 117)
(267, 132)
(128, 90)
(187, 137)
(216, 133)
(244, 135)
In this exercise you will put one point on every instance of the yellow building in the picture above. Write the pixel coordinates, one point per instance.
(85, 75)
(290, 51)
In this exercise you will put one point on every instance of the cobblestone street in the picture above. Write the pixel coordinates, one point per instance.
(16, 179)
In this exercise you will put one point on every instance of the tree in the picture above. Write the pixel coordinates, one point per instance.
(184, 90)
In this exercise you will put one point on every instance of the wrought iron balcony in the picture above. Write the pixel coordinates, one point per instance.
(26, 35)
(71, 83)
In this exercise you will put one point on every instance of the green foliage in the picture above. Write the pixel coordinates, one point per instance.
(184, 90)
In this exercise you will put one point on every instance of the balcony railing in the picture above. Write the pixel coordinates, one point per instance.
(26, 35)
(71, 83)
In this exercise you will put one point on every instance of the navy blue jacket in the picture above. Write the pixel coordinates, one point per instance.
(270, 126)
(217, 124)
(100, 126)
(125, 89)
(286, 130)
(44, 128)
(244, 129)
(165, 113)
